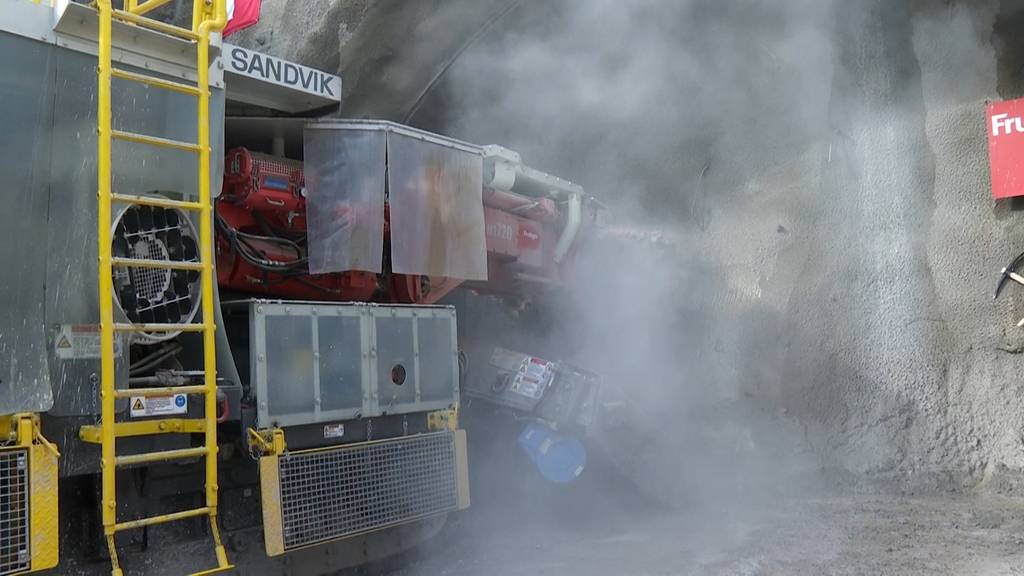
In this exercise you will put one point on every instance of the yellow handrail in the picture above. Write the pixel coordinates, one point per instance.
(106, 289)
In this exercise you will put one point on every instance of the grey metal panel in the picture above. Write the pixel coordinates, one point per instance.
(341, 372)
(73, 25)
(290, 365)
(395, 351)
(24, 162)
(324, 362)
(399, 338)
(307, 365)
(72, 295)
(438, 358)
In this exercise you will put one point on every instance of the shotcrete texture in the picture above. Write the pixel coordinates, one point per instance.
(848, 272)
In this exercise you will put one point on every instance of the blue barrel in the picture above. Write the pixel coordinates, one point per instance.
(559, 457)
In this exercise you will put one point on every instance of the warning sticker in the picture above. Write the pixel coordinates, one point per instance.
(533, 378)
(158, 405)
(81, 342)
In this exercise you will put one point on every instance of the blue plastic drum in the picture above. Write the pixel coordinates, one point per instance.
(559, 457)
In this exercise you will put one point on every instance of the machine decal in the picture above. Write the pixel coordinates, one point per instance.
(142, 407)
(533, 378)
(277, 71)
(334, 431)
(80, 342)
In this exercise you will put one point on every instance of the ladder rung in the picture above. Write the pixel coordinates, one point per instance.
(162, 456)
(155, 82)
(159, 264)
(155, 201)
(169, 29)
(163, 518)
(93, 434)
(162, 391)
(218, 570)
(154, 141)
(120, 327)
(148, 6)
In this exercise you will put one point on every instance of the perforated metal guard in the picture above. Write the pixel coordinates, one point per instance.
(329, 494)
(156, 295)
(14, 518)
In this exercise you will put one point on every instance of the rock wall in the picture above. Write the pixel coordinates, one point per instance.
(881, 336)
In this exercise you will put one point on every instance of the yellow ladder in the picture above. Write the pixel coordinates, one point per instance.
(209, 17)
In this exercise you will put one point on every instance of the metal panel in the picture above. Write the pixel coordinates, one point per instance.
(291, 365)
(15, 554)
(397, 375)
(71, 295)
(325, 362)
(401, 344)
(341, 370)
(72, 26)
(329, 494)
(44, 547)
(25, 148)
(438, 358)
(309, 362)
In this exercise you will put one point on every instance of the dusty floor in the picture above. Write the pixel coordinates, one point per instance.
(834, 535)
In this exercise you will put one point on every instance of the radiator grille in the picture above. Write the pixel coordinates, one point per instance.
(334, 493)
(14, 532)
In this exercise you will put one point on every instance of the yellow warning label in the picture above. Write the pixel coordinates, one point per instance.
(138, 405)
(64, 342)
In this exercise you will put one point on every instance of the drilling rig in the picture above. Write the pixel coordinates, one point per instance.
(225, 340)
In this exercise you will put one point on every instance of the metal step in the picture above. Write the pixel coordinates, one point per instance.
(162, 519)
(159, 48)
(155, 82)
(155, 201)
(122, 327)
(154, 141)
(156, 25)
(161, 391)
(94, 434)
(162, 456)
(158, 264)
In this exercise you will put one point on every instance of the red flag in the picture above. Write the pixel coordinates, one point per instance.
(241, 15)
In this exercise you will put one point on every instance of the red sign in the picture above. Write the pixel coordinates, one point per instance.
(1006, 147)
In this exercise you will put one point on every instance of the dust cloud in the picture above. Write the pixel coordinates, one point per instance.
(669, 113)
(664, 111)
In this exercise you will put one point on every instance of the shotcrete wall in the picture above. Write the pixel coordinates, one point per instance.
(841, 241)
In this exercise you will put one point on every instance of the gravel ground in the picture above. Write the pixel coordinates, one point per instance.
(834, 535)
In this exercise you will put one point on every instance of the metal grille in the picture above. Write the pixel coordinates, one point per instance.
(14, 497)
(267, 165)
(150, 283)
(339, 492)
